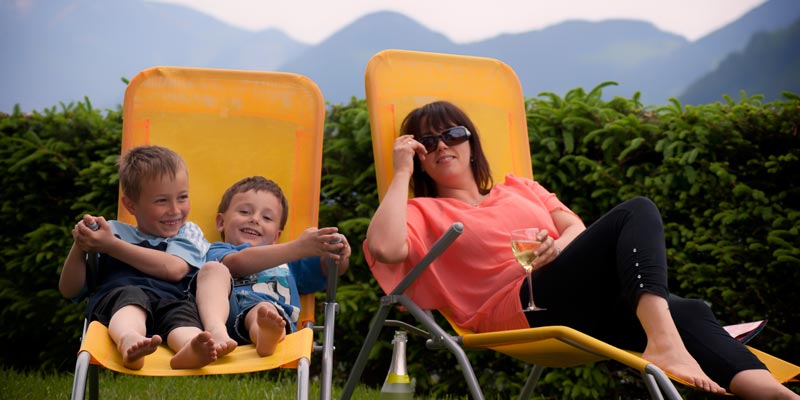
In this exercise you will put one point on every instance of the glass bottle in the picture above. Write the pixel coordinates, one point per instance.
(398, 384)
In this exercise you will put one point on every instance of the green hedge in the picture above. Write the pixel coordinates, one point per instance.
(723, 175)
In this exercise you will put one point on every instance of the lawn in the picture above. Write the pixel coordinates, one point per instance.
(278, 385)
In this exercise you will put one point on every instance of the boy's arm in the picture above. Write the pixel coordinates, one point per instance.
(312, 242)
(73, 275)
(311, 273)
(256, 259)
(156, 263)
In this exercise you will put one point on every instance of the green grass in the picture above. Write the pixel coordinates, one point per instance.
(277, 385)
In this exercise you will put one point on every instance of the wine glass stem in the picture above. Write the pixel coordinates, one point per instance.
(530, 290)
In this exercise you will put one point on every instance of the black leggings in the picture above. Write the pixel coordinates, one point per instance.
(595, 283)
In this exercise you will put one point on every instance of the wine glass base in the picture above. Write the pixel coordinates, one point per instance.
(533, 309)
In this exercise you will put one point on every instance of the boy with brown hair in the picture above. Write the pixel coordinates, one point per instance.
(268, 277)
(144, 271)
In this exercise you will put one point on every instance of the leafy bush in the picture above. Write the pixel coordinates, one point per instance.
(56, 166)
(723, 175)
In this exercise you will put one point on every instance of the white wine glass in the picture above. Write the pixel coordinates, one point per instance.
(523, 243)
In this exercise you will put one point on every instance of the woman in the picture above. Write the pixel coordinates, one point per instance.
(609, 281)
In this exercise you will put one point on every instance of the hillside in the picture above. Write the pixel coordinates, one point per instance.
(61, 51)
(768, 65)
(669, 76)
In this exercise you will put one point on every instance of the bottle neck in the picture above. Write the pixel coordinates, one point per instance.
(399, 356)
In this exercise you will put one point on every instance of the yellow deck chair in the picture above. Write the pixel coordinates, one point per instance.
(490, 93)
(228, 125)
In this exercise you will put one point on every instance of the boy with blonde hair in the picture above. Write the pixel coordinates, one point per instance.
(144, 271)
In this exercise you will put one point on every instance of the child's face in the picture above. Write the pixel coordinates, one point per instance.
(253, 217)
(163, 205)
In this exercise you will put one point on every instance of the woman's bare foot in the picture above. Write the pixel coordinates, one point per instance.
(679, 363)
(197, 353)
(271, 330)
(223, 342)
(134, 348)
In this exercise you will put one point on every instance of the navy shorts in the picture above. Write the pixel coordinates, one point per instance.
(163, 315)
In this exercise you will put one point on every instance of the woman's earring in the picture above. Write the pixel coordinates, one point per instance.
(471, 160)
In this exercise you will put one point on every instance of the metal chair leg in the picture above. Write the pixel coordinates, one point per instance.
(302, 379)
(530, 384)
(79, 381)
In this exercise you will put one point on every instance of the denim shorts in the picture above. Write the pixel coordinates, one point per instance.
(241, 302)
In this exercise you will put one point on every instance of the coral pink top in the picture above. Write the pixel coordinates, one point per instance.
(477, 280)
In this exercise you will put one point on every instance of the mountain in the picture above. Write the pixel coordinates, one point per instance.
(768, 65)
(580, 54)
(62, 50)
(337, 64)
(671, 74)
(635, 54)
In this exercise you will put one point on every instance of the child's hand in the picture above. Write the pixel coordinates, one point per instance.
(341, 256)
(319, 242)
(92, 234)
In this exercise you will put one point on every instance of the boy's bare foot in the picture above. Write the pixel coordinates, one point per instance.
(223, 342)
(271, 330)
(134, 348)
(197, 353)
(681, 364)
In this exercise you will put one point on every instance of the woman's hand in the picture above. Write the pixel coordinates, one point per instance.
(546, 252)
(403, 154)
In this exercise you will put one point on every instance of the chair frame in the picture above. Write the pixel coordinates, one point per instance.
(658, 383)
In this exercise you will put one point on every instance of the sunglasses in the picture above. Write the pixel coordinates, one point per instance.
(451, 137)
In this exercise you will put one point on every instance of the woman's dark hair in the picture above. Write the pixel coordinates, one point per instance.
(436, 117)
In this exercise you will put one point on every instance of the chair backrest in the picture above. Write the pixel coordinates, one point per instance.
(488, 90)
(227, 125)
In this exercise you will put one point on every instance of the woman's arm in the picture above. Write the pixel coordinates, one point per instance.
(387, 233)
(570, 227)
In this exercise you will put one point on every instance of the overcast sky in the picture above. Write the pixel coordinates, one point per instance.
(470, 20)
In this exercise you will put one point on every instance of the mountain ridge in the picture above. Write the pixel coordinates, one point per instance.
(62, 51)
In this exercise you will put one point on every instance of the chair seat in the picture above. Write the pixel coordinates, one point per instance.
(244, 359)
(561, 346)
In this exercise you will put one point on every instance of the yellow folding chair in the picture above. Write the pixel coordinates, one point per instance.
(227, 125)
(490, 93)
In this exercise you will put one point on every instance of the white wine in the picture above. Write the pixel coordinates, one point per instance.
(523, 243)
(523, 251)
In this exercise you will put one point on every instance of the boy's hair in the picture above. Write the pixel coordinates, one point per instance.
(146, 162)
(256, 183)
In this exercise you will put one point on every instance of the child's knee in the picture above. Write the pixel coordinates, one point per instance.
(214, 270)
